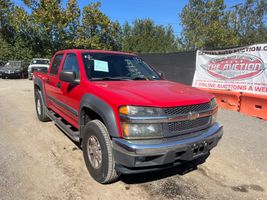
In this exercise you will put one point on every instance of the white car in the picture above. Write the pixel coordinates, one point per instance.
(39, 64)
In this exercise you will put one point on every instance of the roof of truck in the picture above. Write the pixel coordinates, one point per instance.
(40, 59)
(94, 51)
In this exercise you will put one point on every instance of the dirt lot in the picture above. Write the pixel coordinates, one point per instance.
(37, 161)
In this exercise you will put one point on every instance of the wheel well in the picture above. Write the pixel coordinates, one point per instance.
(88, 114)
(36, 87)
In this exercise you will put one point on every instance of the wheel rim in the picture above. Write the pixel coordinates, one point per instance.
(39, 107)
(94, 152)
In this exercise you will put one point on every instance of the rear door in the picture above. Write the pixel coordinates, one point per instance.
(52, 83)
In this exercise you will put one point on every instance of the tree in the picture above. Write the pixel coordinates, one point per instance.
(15, 35)
(96, 31)
(6, 30)
(206, 25)
(5, 53)
(47, 27)
(248, 21)
(72, 18)
(49, 22)
(145, 36)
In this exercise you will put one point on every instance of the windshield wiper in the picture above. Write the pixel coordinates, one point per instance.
(139, 78)
(110, 79)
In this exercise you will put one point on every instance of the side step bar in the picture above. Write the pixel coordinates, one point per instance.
(66, 128)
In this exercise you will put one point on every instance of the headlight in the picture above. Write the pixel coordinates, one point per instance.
(214, 118)
(213, 103)
(141, 131)
(138, 111)
(17, 70)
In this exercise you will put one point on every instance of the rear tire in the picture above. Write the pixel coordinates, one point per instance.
(40, 107)
(97, 152)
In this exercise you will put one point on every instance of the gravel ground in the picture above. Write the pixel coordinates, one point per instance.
(37, 161)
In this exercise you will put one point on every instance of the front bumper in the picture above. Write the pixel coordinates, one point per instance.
(11, 74)
(142, 156)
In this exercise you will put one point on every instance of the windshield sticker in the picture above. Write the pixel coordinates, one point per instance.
(101, 66)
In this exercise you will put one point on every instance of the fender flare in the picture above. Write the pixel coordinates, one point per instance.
(38, 81)
(104, 110)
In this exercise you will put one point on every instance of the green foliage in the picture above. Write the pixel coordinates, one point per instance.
(53, 25)
(208, 24)
(205, 25)
(48, 26)
(145, 36)
(248, 21)
(6, 30)
(96, 30)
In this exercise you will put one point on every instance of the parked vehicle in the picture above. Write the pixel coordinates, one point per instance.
(126, 118)
(38, 64)
(2, 64)
(14, 69)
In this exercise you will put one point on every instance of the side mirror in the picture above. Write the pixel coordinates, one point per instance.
(68, 76)
(161, 74)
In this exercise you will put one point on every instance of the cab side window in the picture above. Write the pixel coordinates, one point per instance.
(56, 64)
(71, 64)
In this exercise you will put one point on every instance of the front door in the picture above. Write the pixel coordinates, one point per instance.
(70, 94)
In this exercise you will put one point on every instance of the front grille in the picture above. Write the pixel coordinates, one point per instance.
(181, 126)
(186, 109)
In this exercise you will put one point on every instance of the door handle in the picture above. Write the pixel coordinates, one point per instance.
(58, 85)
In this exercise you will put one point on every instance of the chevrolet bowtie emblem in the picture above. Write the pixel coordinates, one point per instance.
(193, 116)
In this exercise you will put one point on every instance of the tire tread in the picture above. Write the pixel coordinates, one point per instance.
(112, 175)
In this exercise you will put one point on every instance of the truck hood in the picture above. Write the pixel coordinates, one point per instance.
(159, 93)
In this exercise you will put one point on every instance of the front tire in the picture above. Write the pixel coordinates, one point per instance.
(97, 152)
(40, 107)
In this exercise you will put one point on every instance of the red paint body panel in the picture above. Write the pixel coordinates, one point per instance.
(156, 93)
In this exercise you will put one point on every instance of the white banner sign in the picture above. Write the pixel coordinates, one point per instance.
(241, 69)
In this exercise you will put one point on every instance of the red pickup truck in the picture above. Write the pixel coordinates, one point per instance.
(125, 116)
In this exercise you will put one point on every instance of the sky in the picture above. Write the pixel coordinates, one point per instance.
(162, 12)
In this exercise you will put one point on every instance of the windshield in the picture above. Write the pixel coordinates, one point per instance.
(39, 69)
(13, 64)
(2, 63)
(40, 62)
(107, 66)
